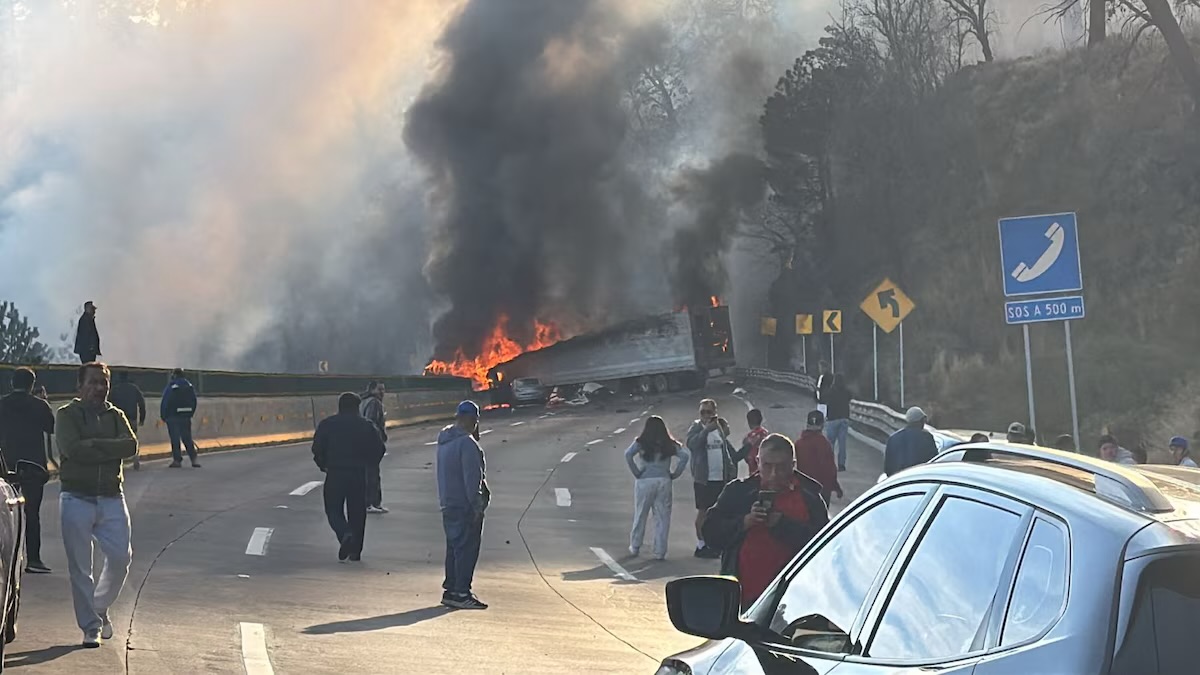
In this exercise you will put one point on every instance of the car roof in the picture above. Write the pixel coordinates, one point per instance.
(1076, 487)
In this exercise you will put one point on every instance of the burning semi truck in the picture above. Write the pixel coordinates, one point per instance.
(653, 354)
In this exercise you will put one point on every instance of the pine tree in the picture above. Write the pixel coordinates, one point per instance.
(18, 340)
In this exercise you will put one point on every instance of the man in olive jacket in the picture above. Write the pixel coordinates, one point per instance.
(94, 438)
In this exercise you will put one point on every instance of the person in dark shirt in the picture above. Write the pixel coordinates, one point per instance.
(760, 523)
(909, 446)
(347, 446)
(25, 420)
(130, 400)
(87, 336)
(837, 398)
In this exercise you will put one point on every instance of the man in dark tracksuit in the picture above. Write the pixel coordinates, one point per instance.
(756, 539)
(347, 447)
(130, 400)
(177, 408)
(24, 422)
(87, 337)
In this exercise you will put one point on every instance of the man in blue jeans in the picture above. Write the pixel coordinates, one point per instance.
(837, 398)
(463, 494)
(177, 408)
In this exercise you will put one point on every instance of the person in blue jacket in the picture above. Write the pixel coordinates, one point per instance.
(463, 495)
(177, 408)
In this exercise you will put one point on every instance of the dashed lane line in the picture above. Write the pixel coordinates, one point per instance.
(620, 431)
(254, 649)
(431, 443)
(569, 456)
(598, 440)
(613, 564)
(516, 424)
(562, 496)
(259, 540)
(485, 432)
(634, 421)
(306, 488)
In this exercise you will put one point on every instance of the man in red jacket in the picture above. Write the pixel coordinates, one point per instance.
(814, 456)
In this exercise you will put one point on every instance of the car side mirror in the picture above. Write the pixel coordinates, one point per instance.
(31, 473)
(706, 606)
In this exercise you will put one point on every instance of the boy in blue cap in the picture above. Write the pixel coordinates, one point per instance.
(463, 495)
(1181, 452)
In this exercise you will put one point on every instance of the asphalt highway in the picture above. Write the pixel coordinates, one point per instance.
(235, 569)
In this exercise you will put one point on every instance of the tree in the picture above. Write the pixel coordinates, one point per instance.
(18, 340)
(974, 18)
(1163, 18)
(655, 90)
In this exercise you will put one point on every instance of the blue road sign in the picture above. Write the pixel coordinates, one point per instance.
(1040, 254)
(1066, 308)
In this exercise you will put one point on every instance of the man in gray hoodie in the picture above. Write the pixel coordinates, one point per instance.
(463, 495)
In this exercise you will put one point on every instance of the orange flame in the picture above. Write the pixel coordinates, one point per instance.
(497, 348)
(716, 302)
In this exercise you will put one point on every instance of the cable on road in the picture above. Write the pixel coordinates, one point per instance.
(537, 568)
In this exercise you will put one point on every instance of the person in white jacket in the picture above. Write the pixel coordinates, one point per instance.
(650, 458)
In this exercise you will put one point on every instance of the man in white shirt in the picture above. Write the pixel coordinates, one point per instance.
(712, 466)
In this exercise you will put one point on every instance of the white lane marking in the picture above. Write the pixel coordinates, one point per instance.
(613, 565)
(562, 496)
(431, 443)
(645, 412)
(569, 456)
(598, 440)
(619, 431)
(254, 649)
(259, 540)
(281, 506)
(634, 421)
(516, 424)
(543, 417)
(307, 488)
(486, 432)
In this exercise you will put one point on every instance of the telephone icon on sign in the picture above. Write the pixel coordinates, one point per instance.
(1057, 237)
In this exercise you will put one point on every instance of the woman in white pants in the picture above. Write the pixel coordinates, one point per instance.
(649, 460)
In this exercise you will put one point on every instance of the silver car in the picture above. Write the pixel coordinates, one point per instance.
(529, 390)
(990, 560)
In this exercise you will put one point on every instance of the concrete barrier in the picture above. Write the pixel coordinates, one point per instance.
(240, 422)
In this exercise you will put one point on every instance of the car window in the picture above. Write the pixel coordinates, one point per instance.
(1164, 632)
(821, 601)
(1041, 585)
(942, 600)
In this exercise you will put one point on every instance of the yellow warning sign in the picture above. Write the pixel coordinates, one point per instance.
(833, 321)
(804, 324)
(887, 305)
(768, 325)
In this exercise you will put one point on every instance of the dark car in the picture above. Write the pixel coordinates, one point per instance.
(991, 560)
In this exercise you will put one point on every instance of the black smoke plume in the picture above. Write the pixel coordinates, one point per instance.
(715, 200)
(521, 135)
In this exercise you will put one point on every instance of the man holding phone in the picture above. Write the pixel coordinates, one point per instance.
(760, 523)
(712, 466)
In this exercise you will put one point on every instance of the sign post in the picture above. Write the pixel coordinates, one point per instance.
(768, 331)
(1039, 255)
(888, 306)
(833, 325)
(875, 358)
(804, 328)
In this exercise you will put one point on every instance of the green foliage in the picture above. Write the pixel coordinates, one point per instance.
(18, 340)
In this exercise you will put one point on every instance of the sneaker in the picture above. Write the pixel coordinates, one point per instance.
(344, 549)
(195, 464)
(699, 552)
(841, 468)
(634, 551)
(355, 557)
(448, 599)
(174, 465)
(708, 553)
(106, 631)
(468, 601)
(91, 640)
(376, 509)
(36, 567)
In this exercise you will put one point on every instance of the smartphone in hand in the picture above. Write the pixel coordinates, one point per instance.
(766, 498)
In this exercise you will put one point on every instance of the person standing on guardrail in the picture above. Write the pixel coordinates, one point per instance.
(653, 476)
(24, 422)
(712, 466)
(129, 398)
(347, 448)
(372, 409)
(87, 336)
(911, 445)
(1181, 453)
(837, 400)
(177, 408)
(463, 496)
(814, 456)
(94, 440)
(1111, 450)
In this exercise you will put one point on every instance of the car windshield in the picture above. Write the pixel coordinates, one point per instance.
(527, 382)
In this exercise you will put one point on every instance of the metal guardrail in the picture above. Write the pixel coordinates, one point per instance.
(874, 416)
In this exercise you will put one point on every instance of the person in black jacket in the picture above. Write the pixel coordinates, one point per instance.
(24, 422)
(87, 337)
(131, 401)
(177, 407)
(347, 447)
(760, 523)
(837, 398)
